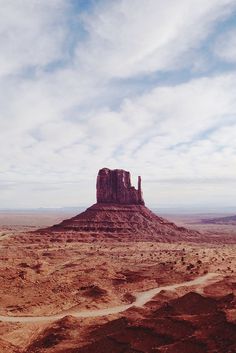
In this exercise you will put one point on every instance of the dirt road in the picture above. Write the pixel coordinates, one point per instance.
(141, 299)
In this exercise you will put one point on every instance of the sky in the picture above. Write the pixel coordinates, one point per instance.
(143, 85)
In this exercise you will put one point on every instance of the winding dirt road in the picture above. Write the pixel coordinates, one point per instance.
(141, 299)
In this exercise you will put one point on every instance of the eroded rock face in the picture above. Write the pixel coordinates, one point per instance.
(120, 211)
(114, 186)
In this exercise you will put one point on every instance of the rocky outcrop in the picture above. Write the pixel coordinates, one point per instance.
(167, 325)
(120, 212)
(114, 187)
(124, 221)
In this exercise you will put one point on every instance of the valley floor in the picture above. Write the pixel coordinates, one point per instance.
(41, 277)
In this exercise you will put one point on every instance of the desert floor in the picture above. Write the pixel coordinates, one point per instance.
(51, 280)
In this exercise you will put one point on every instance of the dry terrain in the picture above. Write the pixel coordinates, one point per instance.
(54, 289)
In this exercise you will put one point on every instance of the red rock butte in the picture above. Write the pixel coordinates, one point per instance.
(120, 212)
(114, 186)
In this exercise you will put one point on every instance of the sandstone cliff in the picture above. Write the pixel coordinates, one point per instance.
(114, 186)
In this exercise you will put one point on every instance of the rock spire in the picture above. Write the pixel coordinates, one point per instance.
(114, 187)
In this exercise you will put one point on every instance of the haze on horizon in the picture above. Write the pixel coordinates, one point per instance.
(143, 85)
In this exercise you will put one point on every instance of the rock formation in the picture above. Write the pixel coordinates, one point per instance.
(114, 186)
(120, 212)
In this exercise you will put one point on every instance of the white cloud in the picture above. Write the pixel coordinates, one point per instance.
(225, 46)
(61, 125)
(137, 37)
(171, 133)
(32, 33)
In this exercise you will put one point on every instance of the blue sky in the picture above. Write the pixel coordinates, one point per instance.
(144, 85)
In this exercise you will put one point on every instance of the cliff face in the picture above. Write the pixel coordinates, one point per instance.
(114, 187)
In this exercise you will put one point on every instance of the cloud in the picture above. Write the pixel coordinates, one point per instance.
(225, 46)
(32, 34)
(171, 132)
(179, 126)
(69, 107)
(127, 38)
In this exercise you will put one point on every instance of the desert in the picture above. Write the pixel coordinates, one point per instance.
(70, 290)
(117, 176)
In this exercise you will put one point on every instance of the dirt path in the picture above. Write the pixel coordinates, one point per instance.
(141, 299)
(4, 235)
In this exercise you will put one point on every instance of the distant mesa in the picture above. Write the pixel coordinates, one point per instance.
(229, 220)
(120, 212)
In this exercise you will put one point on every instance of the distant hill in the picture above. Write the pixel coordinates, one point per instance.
(229, 220)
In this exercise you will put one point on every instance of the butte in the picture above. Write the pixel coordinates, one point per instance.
(120, 213)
